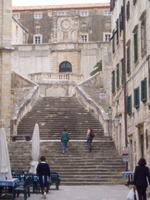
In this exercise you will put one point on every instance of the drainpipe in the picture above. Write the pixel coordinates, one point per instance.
(124, 67)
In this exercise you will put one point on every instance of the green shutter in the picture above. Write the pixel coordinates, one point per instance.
(129, 105)
(122, 72)
(117, 75)
(117, 31)
(134, 2)
(136, 98)
(113, 42)
(128, 10)
(135, 47)
(113, 81)
(144, 90)
(128, 59)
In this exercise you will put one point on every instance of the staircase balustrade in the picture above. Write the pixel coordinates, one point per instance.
(39, 77)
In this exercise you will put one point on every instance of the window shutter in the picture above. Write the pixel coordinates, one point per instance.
(121, 19)
(136, 98)
(135, 47)
(122, 72)
(128, 10)
(144, 90)
(117, 75)
(113, 42)
(128, 59)
(129, 104)
(134, 2)
(117, 31)
(113, 81)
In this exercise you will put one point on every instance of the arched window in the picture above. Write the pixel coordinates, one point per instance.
(65, 67)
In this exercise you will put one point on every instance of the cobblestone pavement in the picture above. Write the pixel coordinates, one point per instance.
(115, 192)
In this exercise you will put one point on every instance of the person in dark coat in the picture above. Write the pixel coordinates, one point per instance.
(141, 176)
(43, 170)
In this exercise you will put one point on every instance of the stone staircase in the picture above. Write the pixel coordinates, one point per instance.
(77, 166)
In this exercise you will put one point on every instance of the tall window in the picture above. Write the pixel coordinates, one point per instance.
(122, 71)
(144, 90)
(117, 75)
(65, 67)
(84, 38)
(113, 42)
(135, 47)
(143, 36)
(129, 105)
(136, 98)
(128, 58)
(128, 10)
(134, 2)
(117, 30)
(113, 81)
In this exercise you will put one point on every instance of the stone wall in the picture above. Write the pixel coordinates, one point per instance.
(5, 63)
(29, 59)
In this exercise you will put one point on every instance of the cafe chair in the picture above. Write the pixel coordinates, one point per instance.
(25, 189)
(32, 177)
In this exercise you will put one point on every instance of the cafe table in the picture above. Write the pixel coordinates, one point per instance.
(8, 186)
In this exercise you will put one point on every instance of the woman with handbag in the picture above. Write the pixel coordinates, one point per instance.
(141, 176)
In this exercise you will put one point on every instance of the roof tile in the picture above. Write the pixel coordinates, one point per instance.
(90, 5)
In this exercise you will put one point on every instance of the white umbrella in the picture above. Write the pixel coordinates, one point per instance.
(5, 169)
(35, 149)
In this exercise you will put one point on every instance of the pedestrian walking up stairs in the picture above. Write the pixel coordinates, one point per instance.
(77, 166)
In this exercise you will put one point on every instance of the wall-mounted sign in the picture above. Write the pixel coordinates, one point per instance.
(125, 154)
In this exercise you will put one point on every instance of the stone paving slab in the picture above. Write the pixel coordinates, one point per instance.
(114, 192)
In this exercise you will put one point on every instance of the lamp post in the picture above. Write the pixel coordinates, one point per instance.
(109, 110)
(101, 95)
(116, 122)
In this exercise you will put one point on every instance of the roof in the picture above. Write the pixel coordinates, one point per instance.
(68, 6)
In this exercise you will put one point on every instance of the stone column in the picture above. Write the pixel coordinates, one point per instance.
(5, 63)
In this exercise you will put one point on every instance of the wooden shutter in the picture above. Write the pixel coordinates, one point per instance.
(128, 59)
(113, 81)
(113, 42)
(129, 104)
(117, 31)
(122, 72)
(117, 75)
(128, 10)
(144, 90)
(135, 47)
(136, 98)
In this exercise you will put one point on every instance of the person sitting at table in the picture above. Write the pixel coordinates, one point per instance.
(43, 170)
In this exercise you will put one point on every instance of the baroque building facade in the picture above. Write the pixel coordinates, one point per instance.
(137, 73)
(63, 38)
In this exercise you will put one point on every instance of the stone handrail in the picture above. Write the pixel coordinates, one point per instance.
(23, 108)
(41, 77)
(90, 104)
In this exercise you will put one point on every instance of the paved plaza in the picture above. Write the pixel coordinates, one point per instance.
(115, 192)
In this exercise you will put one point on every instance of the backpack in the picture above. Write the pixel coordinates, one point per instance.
(92, 134)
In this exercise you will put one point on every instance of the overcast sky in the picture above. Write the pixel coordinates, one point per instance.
(53, 2)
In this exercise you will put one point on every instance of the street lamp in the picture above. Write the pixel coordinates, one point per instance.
(101, 95)
(109, 110)
(116, 122)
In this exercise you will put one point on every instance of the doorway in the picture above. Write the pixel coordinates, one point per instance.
(65, 67)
